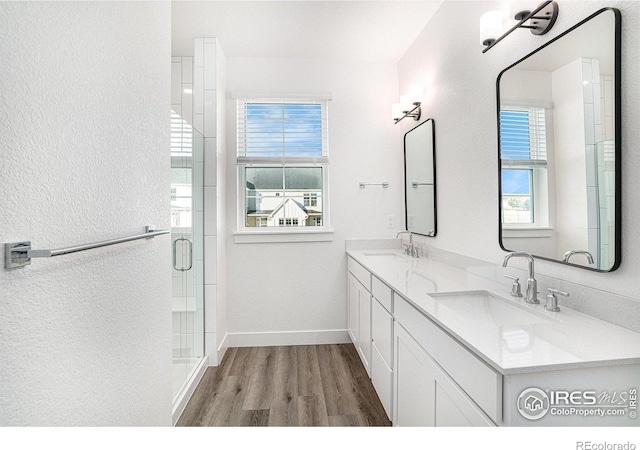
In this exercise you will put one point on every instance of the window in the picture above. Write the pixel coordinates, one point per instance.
(310, 199)
(288, 221)
(282, 163)
(523, 154)
(517, 195)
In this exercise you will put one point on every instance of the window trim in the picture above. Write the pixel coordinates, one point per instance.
(322, 233)
(287, 234)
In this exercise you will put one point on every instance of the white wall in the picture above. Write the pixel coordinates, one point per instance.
(448, 60)
(572, 225)
(209, 101)
(84, 156)
(221, 200)
(283, 287)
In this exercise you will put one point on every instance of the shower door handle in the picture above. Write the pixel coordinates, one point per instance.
(175, 255)
(190, 254)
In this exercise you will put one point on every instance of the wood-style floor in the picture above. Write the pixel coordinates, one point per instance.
(319, 385)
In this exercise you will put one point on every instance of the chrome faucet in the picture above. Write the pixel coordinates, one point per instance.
(410, 249)
(570, 253)
(532, 284)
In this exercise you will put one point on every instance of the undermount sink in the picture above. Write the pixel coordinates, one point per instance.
(484, 308)
(388, 256)
(401, 269)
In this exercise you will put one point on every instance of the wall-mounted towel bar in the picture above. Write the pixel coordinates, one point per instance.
(384, 184)
(415, 184)
(18, 254)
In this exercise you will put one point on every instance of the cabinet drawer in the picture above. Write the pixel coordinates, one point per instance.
(382, 331)
(382, 379)
(382, 292)
(361, 274)
(478, 380)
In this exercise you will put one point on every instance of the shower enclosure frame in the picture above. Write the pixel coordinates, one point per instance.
(189, 360)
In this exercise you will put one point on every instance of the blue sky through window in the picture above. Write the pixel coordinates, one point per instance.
(283, 129)
(516, 181)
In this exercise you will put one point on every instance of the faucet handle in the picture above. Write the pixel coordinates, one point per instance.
(552, 300)
(516, 289)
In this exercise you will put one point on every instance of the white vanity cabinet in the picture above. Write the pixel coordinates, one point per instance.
(422, 376)
(370, 326)
(359, 311)
(479, 360)
(382, 343)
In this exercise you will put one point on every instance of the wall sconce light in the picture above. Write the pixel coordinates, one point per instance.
(541, 20)
(409, 105)
(490, 27)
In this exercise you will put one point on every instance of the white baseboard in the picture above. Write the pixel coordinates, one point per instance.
(223, 347)
(264, 339)
(187, 390)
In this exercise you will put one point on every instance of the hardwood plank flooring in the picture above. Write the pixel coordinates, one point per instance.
(307, 385)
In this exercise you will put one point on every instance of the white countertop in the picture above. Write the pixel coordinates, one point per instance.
(564, 340)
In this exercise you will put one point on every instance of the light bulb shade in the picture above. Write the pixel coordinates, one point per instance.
(416, 93)
(490, 26)
(396, 111)
(405, 102)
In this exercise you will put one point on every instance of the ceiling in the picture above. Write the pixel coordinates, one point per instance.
(325, 29)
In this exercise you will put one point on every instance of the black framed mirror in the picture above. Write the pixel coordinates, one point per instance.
(559, 139)
(420, 179)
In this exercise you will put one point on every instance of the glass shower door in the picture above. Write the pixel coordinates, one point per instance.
(187, 190)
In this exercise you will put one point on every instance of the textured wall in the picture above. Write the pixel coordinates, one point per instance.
(84, 120)
(462, 84)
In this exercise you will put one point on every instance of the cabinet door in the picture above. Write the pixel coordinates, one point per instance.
(353, 313)
(424, 394)
(382, 379)
(364, 339)
(413, 397)
(454, 408)
(359, 320)
(382, 331)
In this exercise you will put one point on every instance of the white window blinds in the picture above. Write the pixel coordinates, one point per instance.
(181, 136)
(523, 136)
(286, 131)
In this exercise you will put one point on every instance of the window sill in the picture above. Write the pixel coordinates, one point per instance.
(527, 232)
(261, 237)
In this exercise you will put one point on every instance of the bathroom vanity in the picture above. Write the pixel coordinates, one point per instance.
(445, 347)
